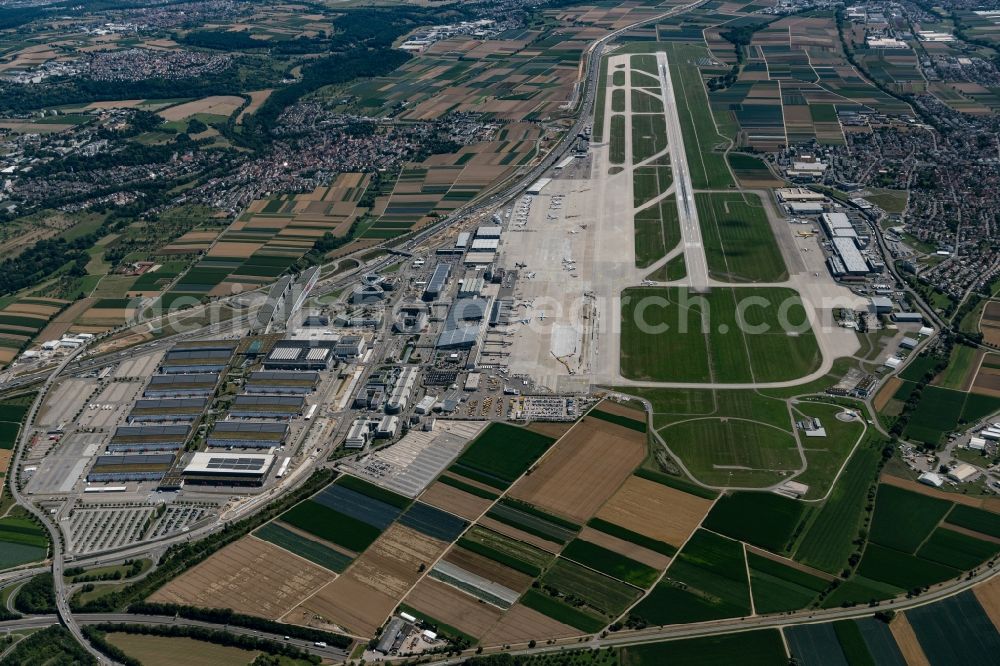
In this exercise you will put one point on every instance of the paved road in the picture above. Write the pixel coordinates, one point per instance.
(39, 621)
(55, 536)
(674, 632)
(694, 249)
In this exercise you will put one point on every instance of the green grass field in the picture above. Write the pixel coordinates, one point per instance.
(500, 454)
(616, 141)
(561, 612)
(978, 520)
(706, 581)
(727, 335)
(826, 455)
(611, 563)
(657, 231)
(959, 368)
(515, 554)
(618, 100)
(603, 594)
(826, 543)
(331, 525)
(303, 547)
(751, 648)
(643, 102)
(900, 569)
(739, 243)
(956, 550)
(708, 167)
(648, 182)
(729, 452)
(21, 541)
(741, 516)
(903, 519)
(649, 136)
(778, 588)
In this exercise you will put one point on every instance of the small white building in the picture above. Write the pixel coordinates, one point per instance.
(962, 472)
(977, 444)
(931, 479)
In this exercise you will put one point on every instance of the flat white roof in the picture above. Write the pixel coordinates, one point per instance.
(230, 463)
(849, 253)
(479, 258)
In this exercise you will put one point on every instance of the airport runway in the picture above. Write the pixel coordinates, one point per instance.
(687, 211)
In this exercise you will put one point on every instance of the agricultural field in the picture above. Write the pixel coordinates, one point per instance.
(678, 320)
(737, 516)
(780, 587)
(739, 243)
(826, 541)
(500, 455)
(961, 615)
(752, 648)
(660, 514)
(583, 469)
(939, 410)
(250, 576)
(527, 518)
(706, 581)
(21, 540)
(989, 324)
(168, 650)
(752, 171)
(22, 321)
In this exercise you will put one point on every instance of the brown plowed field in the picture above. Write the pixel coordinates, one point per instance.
(362, 598)
(456, 501)
(907, 641)
(550, 428)
(345, 603)
(488, 569)
(883, 397)
(989, 597)
(612, 407)
(583, 470)
(393, 563)
(654, 510)
(987, 382)
(250, 576)
(452, 606)
(626, 548)
(520, 535)
(521, 624)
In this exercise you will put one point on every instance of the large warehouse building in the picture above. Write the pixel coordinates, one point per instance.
(228, 469)
(248, 434)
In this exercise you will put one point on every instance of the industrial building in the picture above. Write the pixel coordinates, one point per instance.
(199, 360)
(148, 437)
(350, 347)
(117, 468)
(435, 286)
(539, 185)
(179, 386)
(387, 427)
(266, 406)
(248, 434)
(167, 409)
(848, 260)
(907, 317)
(402, 390)
(881, 305)
(277, 382)
(465, 327)
(489, 231)
(301, 355)
(229, 469)
(359, 434)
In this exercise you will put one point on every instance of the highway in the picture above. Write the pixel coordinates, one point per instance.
(734, 625)
(39, 621)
